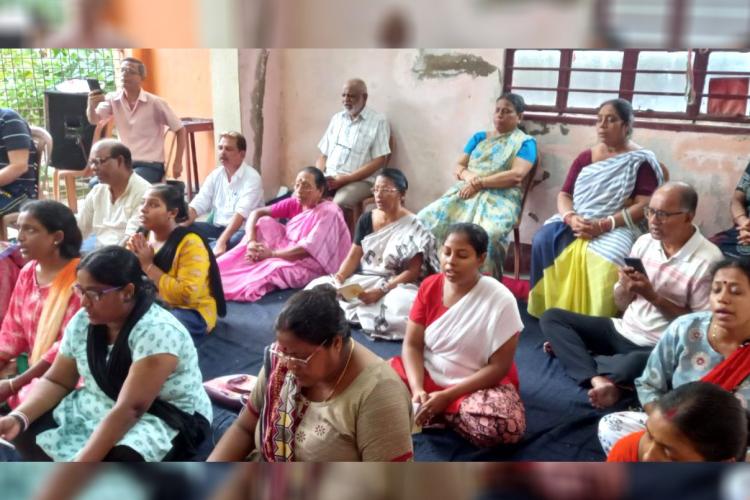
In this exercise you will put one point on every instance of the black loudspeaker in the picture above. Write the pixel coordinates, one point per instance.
(65, 117)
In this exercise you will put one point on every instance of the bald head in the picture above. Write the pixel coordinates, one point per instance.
(670, 214)
(685, 193)
(113, 148)
(357, 84)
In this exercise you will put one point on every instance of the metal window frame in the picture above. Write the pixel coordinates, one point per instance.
(689, 120)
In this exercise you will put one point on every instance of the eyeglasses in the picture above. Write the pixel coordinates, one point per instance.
(95, 162)
(129, 71)
(291, 360)
(377, 190)
(94, 295)
(302, 187)
(659, 215)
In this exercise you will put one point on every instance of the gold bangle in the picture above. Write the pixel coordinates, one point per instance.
(12, 389)
(149, 268)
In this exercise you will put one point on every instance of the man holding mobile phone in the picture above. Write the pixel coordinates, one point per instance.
(141, 118)
(675, 260)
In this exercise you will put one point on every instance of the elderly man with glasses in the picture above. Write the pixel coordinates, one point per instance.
(141, 118)
(605, 355)
(110, 212)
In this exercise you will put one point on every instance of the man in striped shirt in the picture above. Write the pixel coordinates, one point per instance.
(18, 170)
(354, 146)
(607, 354)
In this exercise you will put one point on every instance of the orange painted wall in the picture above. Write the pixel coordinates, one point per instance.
(182, 77)
(156, 23)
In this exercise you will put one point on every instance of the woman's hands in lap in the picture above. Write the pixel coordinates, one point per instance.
(467, 191)
(435, 404)
(371, 296)
(257, 251)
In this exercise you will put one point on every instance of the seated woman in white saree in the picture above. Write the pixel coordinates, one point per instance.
(460, 341)
(395, 253)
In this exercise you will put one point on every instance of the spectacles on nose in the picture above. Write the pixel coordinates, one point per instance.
(292, 360)
(95, 162)
(128, 71)
(377, 190)
(92, 294)
(659, 215)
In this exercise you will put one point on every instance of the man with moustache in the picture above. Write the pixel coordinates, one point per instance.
(110, 211)
(231, 192)
(141, 118)
(354, 147)
(607, 354)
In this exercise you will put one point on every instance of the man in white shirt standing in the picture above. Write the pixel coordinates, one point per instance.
(607, 354)
(111, 209)
(231, 192)
(354, 147)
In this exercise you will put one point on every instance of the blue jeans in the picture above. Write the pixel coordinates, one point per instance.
(192, 320)
(211, 232)
(153, 171)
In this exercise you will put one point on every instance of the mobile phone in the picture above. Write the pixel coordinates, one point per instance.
(636, 264)
(93, 84)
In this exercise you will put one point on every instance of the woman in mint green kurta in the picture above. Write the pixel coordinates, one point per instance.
(131, 355)
(490, 172)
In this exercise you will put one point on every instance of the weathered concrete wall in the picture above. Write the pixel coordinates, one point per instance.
(435, 100)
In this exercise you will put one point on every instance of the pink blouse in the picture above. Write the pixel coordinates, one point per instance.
(18, 330)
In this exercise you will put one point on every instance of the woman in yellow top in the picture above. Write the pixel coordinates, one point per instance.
(178, 260)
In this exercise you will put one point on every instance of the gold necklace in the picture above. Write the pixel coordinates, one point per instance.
(713, 332)
(341, 375)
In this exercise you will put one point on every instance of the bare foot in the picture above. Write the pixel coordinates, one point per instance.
(603, 393)
(547, 347)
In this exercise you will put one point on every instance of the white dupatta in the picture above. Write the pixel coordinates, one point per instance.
(461, 341)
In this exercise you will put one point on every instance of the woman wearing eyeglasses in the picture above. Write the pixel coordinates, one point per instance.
(273, 256)
(142, 396)
(490, 173)
(577, 253)
(711, 346)
(394, 252)
(43, 301)
(320, 395)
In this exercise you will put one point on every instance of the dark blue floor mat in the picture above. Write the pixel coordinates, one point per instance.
(561, 425)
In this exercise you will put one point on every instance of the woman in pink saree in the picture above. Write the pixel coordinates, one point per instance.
(314, 242)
